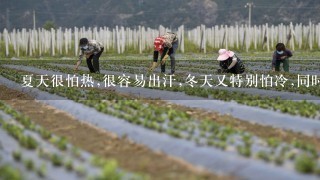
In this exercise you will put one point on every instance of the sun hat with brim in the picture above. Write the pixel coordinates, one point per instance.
(224, 54)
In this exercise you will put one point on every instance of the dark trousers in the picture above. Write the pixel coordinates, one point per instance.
(285, 63)
(239, 68)
(93, 62)
(171, 53)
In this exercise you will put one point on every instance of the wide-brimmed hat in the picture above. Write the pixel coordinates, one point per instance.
(224, 54)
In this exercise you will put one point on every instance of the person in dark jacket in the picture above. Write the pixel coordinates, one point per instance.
(229, 62)
(165, 45)
(281, 55)
(92, 49)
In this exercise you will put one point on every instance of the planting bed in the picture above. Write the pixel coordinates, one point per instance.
(129, 155)
(197, 132)
(40, 154)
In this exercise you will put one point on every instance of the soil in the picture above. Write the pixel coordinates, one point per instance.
(129, 155)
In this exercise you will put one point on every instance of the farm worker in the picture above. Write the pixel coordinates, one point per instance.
(165, 45)
(281, 55)
(229, 62)
(92, 49)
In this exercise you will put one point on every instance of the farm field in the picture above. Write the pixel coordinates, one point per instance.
(125, 123)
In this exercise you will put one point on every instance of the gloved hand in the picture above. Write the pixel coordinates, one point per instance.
(163, 61)
(153, 66)
(77, 66)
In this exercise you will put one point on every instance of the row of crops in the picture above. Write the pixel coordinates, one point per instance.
(302, 108)
(37, 153)
(171, 113)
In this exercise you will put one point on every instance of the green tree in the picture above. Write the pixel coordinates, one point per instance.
(48, 25)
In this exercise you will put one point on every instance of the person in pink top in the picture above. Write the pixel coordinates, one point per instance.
(229, 62)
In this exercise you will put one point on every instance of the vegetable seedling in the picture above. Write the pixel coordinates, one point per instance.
(69, 165)
(56, 160)
(29, 164)
(42, 171)
(16, 155)
(305, 164)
